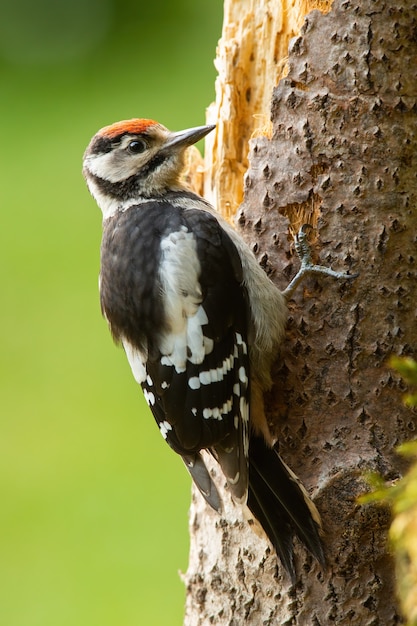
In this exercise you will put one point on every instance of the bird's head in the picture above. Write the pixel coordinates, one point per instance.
(135, 159)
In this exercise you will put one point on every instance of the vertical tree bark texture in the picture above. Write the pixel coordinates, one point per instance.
(343, 156)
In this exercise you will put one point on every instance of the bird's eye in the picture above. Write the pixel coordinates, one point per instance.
(136, 146)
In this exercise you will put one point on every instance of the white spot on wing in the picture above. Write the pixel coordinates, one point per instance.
(205, 378)
(242, 375)
(227, 406)
(149, 397)
(241, 342)
(165, 427)
(214, 413)
(172, 360)
(194, 382)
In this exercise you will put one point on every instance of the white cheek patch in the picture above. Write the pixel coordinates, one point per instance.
(116, 165)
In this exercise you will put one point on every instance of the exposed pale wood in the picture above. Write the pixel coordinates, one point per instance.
(251, 58)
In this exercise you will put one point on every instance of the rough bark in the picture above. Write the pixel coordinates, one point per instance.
(343, 155)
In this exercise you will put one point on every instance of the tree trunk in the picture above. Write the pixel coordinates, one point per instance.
(343, 157)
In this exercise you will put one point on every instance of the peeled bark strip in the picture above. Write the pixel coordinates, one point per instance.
(343, 154)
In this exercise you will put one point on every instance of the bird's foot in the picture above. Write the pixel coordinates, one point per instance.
(307, 266)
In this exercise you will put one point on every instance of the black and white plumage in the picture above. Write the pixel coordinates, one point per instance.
(200, 323)
(191, 362)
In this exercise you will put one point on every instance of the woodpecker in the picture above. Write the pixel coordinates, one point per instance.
(200, 323)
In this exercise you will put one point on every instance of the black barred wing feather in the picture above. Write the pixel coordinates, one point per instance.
(212, 412)
(232, 451)
(202, 401)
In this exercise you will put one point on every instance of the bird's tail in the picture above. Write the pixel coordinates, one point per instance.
(281, 505)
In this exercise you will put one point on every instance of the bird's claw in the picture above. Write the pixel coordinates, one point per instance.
(303, 250)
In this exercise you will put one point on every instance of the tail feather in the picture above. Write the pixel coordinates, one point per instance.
(276, 526)
(282, 505)
(202, 479)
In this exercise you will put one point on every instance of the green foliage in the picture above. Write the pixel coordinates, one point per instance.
(402, 498)
(93, 520)
(407, 367)
(403, 536)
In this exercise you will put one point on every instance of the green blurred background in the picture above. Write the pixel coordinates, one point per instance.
(93, 517)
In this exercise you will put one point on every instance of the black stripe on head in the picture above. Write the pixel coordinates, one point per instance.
(131, 186)
(100, 145)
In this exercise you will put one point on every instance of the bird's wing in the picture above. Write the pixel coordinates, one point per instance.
(174, 297)
(198, 384)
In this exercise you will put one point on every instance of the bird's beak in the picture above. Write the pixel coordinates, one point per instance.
(185, 138)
